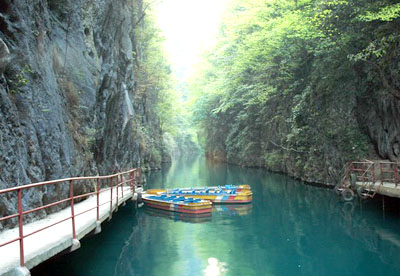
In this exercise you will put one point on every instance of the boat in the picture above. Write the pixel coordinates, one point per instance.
(214, 195)
(177, 203)
(237, 188)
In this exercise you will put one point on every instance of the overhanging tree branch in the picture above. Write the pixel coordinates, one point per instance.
(144, 11)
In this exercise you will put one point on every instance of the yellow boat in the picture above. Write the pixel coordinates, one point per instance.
(237, 188)
(214, 195)
(177, 204)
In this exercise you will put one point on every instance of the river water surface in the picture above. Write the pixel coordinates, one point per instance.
(289, 229)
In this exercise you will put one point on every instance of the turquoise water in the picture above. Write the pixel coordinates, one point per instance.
(289, 229)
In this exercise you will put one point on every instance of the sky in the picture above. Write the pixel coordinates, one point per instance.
(189, 27)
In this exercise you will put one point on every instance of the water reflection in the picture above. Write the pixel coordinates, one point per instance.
(215, 267)
(293, 229)
(231, 209)
(289, 229)
(175, 216)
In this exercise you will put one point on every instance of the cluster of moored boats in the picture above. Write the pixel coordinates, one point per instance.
(196, 200)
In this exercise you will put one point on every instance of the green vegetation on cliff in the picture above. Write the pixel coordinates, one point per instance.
(303, 86)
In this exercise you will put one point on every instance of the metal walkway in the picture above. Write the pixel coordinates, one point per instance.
(369, 178)
(27, 245)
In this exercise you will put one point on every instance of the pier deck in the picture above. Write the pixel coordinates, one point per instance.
(369, 178)
(51, 241)
(386, 188)
(29, 244)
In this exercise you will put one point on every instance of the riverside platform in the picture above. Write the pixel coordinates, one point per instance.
(385, 188)
(368, 178)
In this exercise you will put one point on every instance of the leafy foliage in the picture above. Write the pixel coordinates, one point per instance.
(285, 80)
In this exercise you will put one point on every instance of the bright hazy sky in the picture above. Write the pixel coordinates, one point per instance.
(189, 27)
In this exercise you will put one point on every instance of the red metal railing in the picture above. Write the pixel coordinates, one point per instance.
(129, 178)
(371, 172)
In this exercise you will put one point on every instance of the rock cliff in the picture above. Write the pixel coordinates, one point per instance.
(69, 104)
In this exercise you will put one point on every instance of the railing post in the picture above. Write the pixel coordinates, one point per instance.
(75, 242)
(396, 173)
(373, 174)
(131, 174)
(98, 222)
(348, 168)
(71, 195)
(98, 198)
(140, 176)
(117, 179)
(21, 231)
(381, 172)
(122, 186)
(111, 196)
(134, 182)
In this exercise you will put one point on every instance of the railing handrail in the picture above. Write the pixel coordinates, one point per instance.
(56, 181)
(374, 162)
(367, 169)
(372, 166)
(119, 181)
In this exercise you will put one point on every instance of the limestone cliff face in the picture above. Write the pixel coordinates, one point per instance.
(380, 117)
(68, 103)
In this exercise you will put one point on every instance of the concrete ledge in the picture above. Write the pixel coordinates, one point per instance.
(45, 244)
(98, 227)
(76, 244)
(20, 271)
(387, 189)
